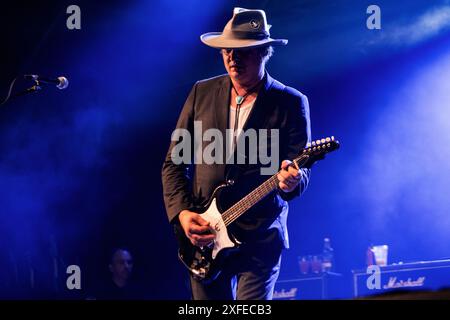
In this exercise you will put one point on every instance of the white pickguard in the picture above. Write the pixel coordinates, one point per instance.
(222, 240)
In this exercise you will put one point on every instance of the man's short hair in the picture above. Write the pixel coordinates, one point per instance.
(266, 52)
(114, 250)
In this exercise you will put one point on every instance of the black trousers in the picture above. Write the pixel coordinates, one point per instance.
(249, 274)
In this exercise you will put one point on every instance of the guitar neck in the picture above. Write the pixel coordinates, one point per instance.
(240, 207)
(313, 152)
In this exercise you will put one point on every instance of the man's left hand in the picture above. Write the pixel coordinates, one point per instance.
(289, 176)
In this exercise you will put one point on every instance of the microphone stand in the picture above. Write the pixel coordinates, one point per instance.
(37, 87)
(32, 89)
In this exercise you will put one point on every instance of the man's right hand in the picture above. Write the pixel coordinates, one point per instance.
(197, 229)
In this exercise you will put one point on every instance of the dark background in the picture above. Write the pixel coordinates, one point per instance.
(80, 168)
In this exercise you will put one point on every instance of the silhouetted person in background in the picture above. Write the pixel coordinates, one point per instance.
(120, 285)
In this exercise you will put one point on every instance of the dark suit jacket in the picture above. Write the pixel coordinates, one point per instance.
(190, 186)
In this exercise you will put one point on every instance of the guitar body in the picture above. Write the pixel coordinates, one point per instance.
(204, 263)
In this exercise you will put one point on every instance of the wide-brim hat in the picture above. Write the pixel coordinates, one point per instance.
(246, 29)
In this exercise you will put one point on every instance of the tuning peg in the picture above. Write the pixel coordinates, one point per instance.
(323, 141)
(328, 139)
(318, 141)
(332, 138)
(308, 145)
(313, 143)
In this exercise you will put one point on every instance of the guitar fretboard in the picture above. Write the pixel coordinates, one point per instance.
(240, 207)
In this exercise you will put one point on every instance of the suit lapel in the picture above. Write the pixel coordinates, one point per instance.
(222, 108)
(222, 104)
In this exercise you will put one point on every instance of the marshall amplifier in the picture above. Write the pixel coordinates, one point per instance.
(424, 275)
(308, 287)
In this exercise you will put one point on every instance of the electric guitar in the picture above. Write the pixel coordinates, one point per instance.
(204, 262)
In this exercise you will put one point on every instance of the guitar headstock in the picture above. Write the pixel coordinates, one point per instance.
(316, 151)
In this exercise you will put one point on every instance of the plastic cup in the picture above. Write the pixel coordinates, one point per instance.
(380, 254)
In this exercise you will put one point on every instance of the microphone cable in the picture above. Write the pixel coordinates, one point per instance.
(9, 92)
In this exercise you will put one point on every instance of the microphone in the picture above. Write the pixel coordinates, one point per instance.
(61, 82)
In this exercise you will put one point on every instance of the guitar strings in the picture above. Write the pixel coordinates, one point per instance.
(257, 194)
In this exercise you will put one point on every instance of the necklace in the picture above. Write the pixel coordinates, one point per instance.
(240, 99)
